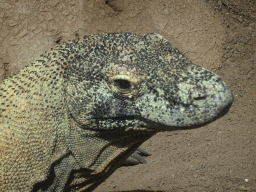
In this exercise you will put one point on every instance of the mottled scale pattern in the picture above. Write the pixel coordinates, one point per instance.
(71, 118)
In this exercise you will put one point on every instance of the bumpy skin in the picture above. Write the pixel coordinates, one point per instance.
(70, 119)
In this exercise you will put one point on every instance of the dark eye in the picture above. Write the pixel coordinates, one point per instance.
(123, 85)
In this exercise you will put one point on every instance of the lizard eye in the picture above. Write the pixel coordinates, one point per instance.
(123, 84)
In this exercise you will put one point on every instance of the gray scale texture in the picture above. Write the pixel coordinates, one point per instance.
(72, 117)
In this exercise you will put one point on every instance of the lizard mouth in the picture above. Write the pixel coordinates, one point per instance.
(135, 122)
(131, 117)
(223, 112)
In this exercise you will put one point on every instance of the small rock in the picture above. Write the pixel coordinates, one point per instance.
(240, 19)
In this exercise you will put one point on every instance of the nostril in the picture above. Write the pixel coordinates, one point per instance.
(199, 101)
(199, 98)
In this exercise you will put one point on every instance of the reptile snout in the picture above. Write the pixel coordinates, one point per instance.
(214, 93)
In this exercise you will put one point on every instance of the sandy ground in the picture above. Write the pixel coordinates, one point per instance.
(217, 34)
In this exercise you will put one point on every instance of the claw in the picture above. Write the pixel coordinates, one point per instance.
(131, 161)
(143, 152)
(137, 158)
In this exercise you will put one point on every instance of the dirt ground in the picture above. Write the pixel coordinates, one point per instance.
(217, 34)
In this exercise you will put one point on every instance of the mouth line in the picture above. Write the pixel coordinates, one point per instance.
(221, 114)
(154, 125)
(131, 117)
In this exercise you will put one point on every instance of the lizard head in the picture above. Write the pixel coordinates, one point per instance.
(129, 81)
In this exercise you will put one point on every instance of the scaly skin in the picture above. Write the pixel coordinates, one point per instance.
(70, 119)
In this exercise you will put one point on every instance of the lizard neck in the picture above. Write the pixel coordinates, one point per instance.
(100, 153)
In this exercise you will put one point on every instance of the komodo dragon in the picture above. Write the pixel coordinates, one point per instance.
(72, 117)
